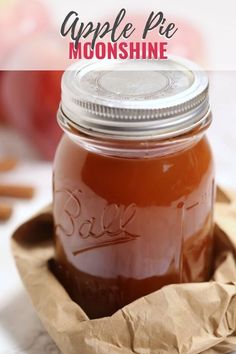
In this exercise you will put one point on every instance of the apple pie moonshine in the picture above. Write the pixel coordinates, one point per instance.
(133, 181)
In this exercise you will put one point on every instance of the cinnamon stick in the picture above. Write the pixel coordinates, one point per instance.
(7, 164)
(5, 212)
(16, 191)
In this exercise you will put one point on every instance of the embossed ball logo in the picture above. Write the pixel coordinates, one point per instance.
(110, 228)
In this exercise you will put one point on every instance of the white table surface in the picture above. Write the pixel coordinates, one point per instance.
(20, 329)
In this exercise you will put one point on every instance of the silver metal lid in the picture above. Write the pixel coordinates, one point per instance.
(134, 99)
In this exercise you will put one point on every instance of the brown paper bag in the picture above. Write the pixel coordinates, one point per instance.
(186, 318)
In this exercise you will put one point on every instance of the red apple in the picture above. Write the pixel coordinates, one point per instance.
(187, 42)
(31, 100)
(19, 20)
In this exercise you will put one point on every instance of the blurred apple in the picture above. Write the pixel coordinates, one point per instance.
(30, 98)
(19, 20)
(31, 101)
(187, 42)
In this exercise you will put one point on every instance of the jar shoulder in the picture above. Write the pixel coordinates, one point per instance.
(162, 179)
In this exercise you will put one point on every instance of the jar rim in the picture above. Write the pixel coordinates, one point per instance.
(142, 147)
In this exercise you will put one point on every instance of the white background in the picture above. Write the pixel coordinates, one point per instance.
(20, 329)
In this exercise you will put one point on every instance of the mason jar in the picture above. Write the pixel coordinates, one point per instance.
(133, 181)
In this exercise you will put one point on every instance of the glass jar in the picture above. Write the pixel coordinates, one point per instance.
(133, 181)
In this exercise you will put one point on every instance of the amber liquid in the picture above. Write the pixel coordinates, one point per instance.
(125, 227)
